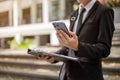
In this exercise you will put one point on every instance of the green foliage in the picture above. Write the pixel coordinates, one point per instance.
(24, 44)
(75, 7)
(113, 3)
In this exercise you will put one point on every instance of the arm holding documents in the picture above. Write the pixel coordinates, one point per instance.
(46, 54)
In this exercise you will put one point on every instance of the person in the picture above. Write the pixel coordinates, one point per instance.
(103, 1)
(91, 27)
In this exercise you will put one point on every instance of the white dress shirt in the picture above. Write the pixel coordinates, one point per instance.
(87, 9)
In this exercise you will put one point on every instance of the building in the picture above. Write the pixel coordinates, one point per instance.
(31, 19)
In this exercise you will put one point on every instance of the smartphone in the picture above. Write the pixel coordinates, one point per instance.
(61, 26)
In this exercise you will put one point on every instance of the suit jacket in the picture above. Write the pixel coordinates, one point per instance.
(95, 37)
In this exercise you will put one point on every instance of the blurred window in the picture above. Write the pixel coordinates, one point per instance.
(39, 13)
(60, 9)
(26, 16)
(4, 19)
(68, 8)
(54, 10)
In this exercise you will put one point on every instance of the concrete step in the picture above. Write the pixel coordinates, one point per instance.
(111, 77)
(48, 74)
(111, 68)
(108, 68)
(36, 64)
(111, 60)
(20, 65)
(29, 74)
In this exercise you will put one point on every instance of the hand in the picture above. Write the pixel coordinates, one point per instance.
(65, 40)
(47, 58)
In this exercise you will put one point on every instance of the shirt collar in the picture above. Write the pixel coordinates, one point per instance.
(88, 6)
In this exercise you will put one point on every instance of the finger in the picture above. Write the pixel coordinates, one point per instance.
(65, 41)
(43, 57)
(73, 35)
(38, 58)
(51, 60)
(62, 33)
(47, 57)
(61, 40)
(58, 35)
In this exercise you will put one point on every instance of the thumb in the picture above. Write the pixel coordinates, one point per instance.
(73, 35)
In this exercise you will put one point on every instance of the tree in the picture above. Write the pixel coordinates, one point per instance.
(113, 3)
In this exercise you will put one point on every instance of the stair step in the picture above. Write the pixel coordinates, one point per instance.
(108, 68)
(111, 77)
(111, 60)
(19, 65)
(31, 64)
(111, 68)
(30, 74)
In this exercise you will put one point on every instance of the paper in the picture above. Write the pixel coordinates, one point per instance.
(58, 57)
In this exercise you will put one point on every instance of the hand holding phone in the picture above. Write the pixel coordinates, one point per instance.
(61, 26)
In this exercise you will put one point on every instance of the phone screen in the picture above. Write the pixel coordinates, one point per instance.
(61, 26)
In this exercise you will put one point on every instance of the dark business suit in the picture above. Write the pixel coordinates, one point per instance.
(94, 36)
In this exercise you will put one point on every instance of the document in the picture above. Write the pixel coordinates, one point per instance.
(58, 57)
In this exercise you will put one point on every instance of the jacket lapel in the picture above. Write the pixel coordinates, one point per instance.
(89, 14)
(73, 19)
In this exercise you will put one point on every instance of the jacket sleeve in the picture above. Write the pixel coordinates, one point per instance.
(63, 51)
(102, 46)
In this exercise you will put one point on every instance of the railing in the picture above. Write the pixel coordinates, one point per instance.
(44, 29)
(28, 30)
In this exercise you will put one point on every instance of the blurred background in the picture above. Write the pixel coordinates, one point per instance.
(27, 23)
